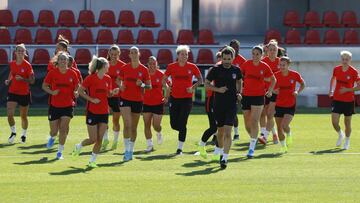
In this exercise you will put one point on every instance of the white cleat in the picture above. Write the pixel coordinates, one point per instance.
(149, 149)
(159, 139)
(347, 144)
(340, 139)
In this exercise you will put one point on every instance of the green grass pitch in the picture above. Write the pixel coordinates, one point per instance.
(312, 171)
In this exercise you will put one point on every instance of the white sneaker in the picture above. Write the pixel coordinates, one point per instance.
(12, 138)
(159, 139)
(149, 149)
(347, 144)
(340, 139)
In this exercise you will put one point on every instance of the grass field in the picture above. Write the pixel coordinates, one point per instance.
(313, 170)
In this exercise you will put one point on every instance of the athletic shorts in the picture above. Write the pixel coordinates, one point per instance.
(136, 107)
(22, 100)
(155, 109)
(271, 99)
(94, 119)
(281, 111)
(346, 108)
(56, 113)
(114, 103)
(248, 101)
(225, 115)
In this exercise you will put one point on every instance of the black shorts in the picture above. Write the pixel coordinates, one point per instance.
(225, 115)
(346, 108)
(22, 100)
(94, 119)
(114, 103)
(248, 101)
(271, 99)
(56, 113)
(155, 109)
(281, 111)
(136, 107)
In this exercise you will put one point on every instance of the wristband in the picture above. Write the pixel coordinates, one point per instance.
(142, 85)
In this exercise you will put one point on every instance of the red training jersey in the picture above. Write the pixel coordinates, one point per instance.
(286, 85)
(24, 70)
(100, 89)
(155, 96)
(114, 73)
(74, 67)
(238, 60)
(254, 84)
(274, 66)
(345, 79)
(181, 78)
(66, 83)
(129, 76)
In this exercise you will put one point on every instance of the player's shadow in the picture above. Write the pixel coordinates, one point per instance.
(196, 163)
(37, 146)
(241, 144)
(6, 145)
(43, 160)
(143, 152)
(45, 151)
(71, 170)
(327, 151)
(156, 157)
(267, 156)
(205, 171)
(119, 163)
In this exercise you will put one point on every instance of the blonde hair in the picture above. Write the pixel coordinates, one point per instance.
(115, 48)
(97, 63)
(181, 48)
(135, 48)
(55, 59)
(345, 52)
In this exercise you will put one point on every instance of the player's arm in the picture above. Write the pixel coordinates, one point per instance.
(83, 94)
(301, 88)
(8, 81)
(239, 84)
(46, 88)
(272, 85)
(30, 80)
(332, 84)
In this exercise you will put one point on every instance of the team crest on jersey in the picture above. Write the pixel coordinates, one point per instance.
(118, 72)
(291, 81)
(348, 77)
(189, 71)
(71, 80)
(234, 76)
(140, 74)
(89, 120)
(261, 72)
(157, 80)
(121, 103)
(107, 85)
(22, 70)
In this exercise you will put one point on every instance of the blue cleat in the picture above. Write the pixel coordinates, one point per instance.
(127, 156)
(250, 154)
(59, 156)
(50, 143)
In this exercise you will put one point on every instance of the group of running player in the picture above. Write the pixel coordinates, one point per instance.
(265, 86)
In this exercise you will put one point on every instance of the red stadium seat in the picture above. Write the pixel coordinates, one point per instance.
(103, 53)
(6, 18)
(43, 36)
(41, 56)
(349, 19)
(67, 19)
(46, 18)
(164, 56)
(84, 36)
(125, 37)
(87, 18)
(26, 56)
(4, 59)
(65, 33)
(272, 34)
(331, 19)
(191, 57)
(351, 37)
(312, 19)
(26, 18)
(105, 37)
(144, 55)
(185, 37)
(145, 37)
(107, 18)
(165, 37)
(127, 19)
(312, 37)
(206, 37)
(293, 37)
(205, 56)
(292, 19)
(5, 36)
(147, 19)
(332, 37)
(82, 56)
(124, 56)
(23, 35)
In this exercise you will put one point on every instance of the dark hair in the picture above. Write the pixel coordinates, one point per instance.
(259, 48)
(71, 59)
(234, 41)
(62, 41)
(286, 59)
(113, 47)
(228, 50)
(281, 52)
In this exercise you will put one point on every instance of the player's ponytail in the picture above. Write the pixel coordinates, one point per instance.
(97, 64)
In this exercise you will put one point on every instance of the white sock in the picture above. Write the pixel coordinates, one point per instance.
(61, 148)
(347, 139)
(225, 157)
(262, 130)
(78, 146)
(236, 130)
(149, 142)
(106, 136)
(253, 143)
(126, 144)
(93, 157)
(266, 134)
(53, 138)
(23, 132)
(216, 150)
(288, 134)
(180, 145)
(283, 143)
(13, 129)
(131, 146)
(221, 151)
(341, 133)
(273, 130)
(116, 136)
(201, 143)
(158, 133)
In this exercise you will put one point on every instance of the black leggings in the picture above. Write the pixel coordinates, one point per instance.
(179, 113)
(209, 107)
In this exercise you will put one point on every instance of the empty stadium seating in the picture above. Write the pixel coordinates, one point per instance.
(4, 59)
(127, 19)
(5, 36)
(26, 18)
(147, 19)
(67, 19)
(84, 36)
(6, 18)
(107, 18)
(145, 37)
(82, 56)
(164, 56)
(185, 37)
(23, 35)
(206, 37)
(46, 19)
(165, 37)
(272, 34)
(87, 18)
(293, 37)
(105, 37)
(205, 56)
(125, 37)
(43, 36)
(41, 56)
(292, 19)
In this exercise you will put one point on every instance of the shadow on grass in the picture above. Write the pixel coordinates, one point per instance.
(156, 157)
(205, 171)
(45, 151)
(327, 151)
(71, 170)
(197, 163)
(37, 146)
(6, 145)
(267, 156)
(43, 160)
